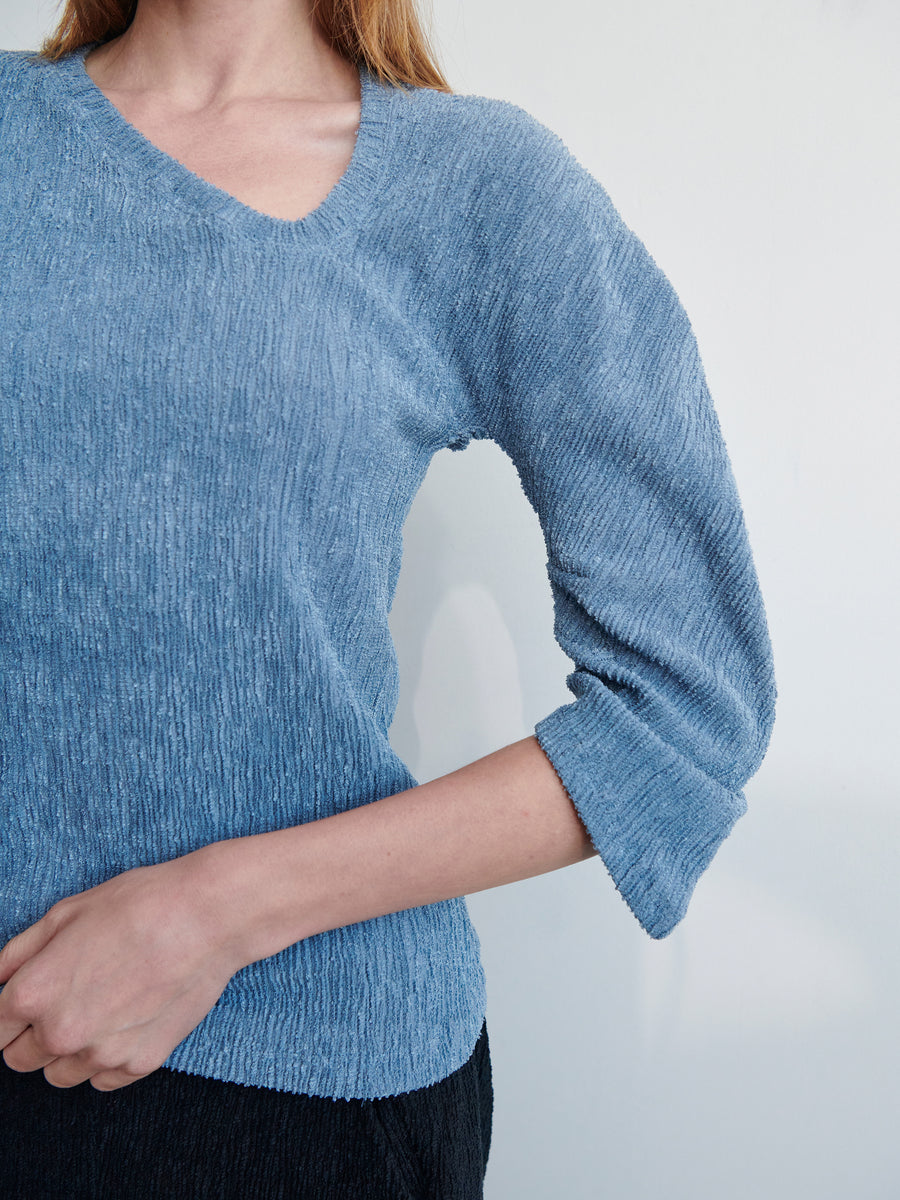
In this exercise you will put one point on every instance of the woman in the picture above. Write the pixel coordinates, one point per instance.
(255, 273)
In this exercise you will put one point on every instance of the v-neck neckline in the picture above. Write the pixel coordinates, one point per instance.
(345, 203)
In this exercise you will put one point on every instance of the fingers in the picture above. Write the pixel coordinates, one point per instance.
(25, 1058)
(26, 944)
(27, 1053)
(21, 1004)
(111, 1081)
(67, 1071)
(106, 1077)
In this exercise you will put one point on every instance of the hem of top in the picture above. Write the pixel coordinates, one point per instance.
(204, 1058)
(340, 212)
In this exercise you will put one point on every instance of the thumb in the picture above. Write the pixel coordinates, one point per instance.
(25, 945)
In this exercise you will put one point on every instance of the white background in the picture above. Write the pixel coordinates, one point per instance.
(752, 1054)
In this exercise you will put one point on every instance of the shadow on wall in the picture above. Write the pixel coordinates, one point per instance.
(472, 617)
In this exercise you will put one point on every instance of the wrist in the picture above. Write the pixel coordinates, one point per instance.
(244, 888)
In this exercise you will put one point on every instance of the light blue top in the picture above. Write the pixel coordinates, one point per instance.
(213, 423)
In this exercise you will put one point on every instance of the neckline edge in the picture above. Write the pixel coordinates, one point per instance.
(332, 215)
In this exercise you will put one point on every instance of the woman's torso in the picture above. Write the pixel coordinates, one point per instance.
(212, 426)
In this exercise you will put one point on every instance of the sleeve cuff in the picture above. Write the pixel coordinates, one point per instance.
(655, 819)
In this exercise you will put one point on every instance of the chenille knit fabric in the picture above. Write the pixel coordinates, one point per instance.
(213, 423)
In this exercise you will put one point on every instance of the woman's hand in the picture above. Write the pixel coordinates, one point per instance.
(108, 982)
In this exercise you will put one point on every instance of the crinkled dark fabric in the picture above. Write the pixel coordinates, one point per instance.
(172, 1135)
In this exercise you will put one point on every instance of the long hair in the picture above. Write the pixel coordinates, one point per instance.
(386, 35)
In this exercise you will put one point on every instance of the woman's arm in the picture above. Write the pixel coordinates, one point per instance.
(109, 981)
(501, 818)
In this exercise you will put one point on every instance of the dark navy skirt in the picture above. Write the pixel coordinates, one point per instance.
(172, 1135)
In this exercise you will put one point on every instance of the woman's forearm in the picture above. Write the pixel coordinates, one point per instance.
(501, 818)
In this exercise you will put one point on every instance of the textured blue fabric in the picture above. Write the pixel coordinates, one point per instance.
(212, 426)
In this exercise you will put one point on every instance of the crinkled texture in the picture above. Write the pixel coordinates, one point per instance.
(213, 424)
(587, 373)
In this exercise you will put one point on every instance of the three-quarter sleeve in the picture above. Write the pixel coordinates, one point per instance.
(586, 372)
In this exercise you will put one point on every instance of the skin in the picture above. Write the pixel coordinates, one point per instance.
(107, 983)
(264, 109)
